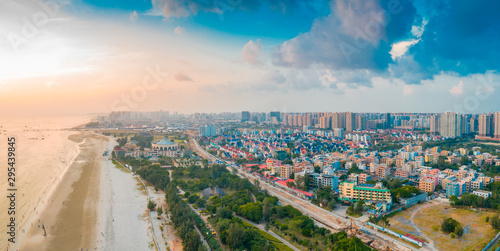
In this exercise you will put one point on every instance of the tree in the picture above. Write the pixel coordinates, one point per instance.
(464, 161)
(201, 202)
(235, 235)
(159, 211)
(193, 198)
(449, 225)
(459, 231)
(495, 222)
(151, 205)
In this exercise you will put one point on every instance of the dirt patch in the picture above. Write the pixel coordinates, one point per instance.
(426, 222)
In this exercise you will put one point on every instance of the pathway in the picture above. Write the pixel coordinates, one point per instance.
(259, 226)
(412, 223)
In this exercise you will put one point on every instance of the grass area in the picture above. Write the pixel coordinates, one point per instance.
(277, 243)
(282, 246)
(354, 215)
(477, 232)
(123, 169)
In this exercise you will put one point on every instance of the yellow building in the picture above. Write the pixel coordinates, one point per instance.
(352, 191)
(427, 185)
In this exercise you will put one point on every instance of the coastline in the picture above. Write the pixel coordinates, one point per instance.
(71, 217)
(43, 156)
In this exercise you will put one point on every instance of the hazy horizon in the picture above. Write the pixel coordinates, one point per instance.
(78, 57)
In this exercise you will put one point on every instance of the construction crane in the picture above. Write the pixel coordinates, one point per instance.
(352, 229)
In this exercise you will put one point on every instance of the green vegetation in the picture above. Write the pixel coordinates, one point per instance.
(184, 220)
(383, 221)
(122, 141)
(471, 200)
(495, 222)
(155, 175)
(143, 141)
(151, 205)
(325, 197)
(356, 209)
(385, 146)
(450, 225)
(285, 220)
(404, 192)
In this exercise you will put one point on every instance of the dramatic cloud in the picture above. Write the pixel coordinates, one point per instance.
(179, 30)
(460, 36)
(184, 8)
(133, 16)
(357, 35)
(251, 52)
(182, 77)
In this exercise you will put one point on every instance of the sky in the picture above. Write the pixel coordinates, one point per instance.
(67, 57)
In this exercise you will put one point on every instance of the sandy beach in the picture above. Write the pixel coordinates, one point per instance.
(123, 222)
(67, 186)
(43, 155)
(70, 217)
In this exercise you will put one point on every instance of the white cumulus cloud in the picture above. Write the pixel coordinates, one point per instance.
(251, 52)
(457, 89)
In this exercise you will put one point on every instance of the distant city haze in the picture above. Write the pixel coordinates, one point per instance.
(101, 56)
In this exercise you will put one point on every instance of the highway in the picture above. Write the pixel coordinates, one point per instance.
(325, 218)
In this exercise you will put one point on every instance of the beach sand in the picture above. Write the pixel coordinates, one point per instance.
(43, 155)
(123, 220)
(70, 217)
(79, 196)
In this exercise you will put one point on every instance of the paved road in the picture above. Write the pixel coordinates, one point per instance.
(326, 218)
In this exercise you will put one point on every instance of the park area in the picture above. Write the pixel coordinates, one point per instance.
(423, 222)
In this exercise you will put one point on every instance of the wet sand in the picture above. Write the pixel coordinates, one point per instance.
(71, 216)
(43, 155)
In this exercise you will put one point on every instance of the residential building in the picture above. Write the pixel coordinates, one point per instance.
(286, 171)
(382, 171)
(485, 122)
(427, 185)
(434, 124)
(352, 192)
(245, 116)
(484, 194)
(408, 202)
(450, 125)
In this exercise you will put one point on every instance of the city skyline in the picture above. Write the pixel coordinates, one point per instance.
(78, 57)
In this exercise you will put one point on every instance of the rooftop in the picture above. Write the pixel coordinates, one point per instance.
(164, 141)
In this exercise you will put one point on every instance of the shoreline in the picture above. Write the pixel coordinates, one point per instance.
(42, 202)
(71, 214)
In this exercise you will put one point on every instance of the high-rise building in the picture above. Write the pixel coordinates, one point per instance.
(473, 124)
(387, 120)
(275, 115)
(485, 128)
(350, 121)
(466, 124)
(245, 116)
(208, 130)
(361, 122)
(451, 125)
(434, 124)
(497, 125)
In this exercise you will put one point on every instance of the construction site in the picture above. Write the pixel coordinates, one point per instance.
(423, 221)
